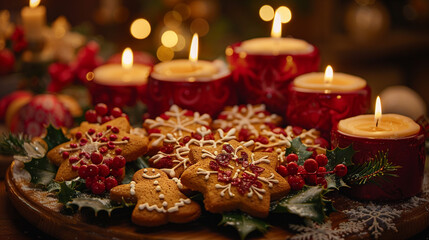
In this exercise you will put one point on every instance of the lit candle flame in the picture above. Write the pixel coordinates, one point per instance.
(34, 3)
(193, 53)
(377, 114)
(127, 59)
(329, 75)
(276, 31)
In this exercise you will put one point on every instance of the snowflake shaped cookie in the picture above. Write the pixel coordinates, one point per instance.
(173, 157)
(325, 231)
(249, 120)
(93, 143)
(232, 177)
(158, 199)
(176, 121)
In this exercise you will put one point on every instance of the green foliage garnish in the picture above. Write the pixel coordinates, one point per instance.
(41, 170)
(297, 147)
(378, 168)
(11, 144)
(54, 137)
(243, 223)
(133, 167)
(339, 156)
(97, 204)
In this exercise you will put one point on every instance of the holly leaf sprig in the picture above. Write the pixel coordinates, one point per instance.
(13, 144)
(335, 157)
(377, 169)
(297, 147)
(41, 170)
(243, 223)
(54, 137)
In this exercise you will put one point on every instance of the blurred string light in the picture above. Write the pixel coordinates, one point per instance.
(200, 26)
(140, 28)
(164, 53)
(266, 13)
(169, 39)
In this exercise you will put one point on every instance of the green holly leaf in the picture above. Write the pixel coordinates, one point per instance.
(54, 137)
(98, 204)
(243, 223)
(11, 144)
(334, 182)
(297, 147)
(41, 170)
(339, 156)
(306, 203)
(66, 193)
(133, 167)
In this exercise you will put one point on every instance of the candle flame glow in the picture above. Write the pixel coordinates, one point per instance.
(276, 31)
(329, 75)
(127, 59)
(193, 53)
(377, 114)
(34, 3)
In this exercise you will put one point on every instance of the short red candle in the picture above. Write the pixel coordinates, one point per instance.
(265, 78)
(407, 152)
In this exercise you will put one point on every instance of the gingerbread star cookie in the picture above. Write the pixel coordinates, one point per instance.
(249, 120)
(176, 121)
(158, 199)
(108, 144)
(232, 177)
(173, 157)
(278, 139)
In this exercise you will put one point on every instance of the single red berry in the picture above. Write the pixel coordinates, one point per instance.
(340, 170)
(270, 149)
(189, 113)
(91, 131)
(322, 160)
(214, 166)
(310, 179)
(322, 142)
(103, 170)
(98, 187)
(209, 137)
(118, 151)
(322, 181)
(164, 116)
(168, 149)
(292, 158)
(73, 159)
(262, 140)
(292, 168)
(321, 171)
(154, 130)
(311, 165)
(222, 116)
(282, 170)
(82, 171)
(126, 138)
(117, 173)
(279, 130)
(296, 182)
(91, 116)
(103, 150)
(314, 152)
(78, 135)
(65, 155)
(104, 139)
(89, 181)
(92, 170)
(101, 109)
(186, 139)
(110, 183)
(244, 135)
(297, 130)
(96, 157)
(116, 112)
(111, 145)
(118, 162)
(228, 148)
(75, 168)
(108, 162)
(108, 127)
(105, 119)
(301, 170)
(196, 136)
(73, 145)
(115, 129)
(113, 137)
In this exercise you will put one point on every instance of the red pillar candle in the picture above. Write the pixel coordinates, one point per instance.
(398, 136)
(193, 84)
(119, 84)
(321, 100)
(262, 68)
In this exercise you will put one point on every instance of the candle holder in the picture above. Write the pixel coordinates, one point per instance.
(265, 78)
(407, 152)
(323, 111)
(199, 96)
(116, 95)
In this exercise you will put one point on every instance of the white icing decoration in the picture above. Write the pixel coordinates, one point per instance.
(225, 187)
(145, 170)
(201, 171)
(178, 182)
(158, 188)
(155, 182)
(180, 203)
(132, 188)
(161, 196)
(151, 176)
(153, 170)
(164, 204)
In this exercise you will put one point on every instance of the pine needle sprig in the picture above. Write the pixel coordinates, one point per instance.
(12, 144)
(377, 168)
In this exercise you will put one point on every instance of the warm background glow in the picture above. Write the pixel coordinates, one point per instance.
(140, 28)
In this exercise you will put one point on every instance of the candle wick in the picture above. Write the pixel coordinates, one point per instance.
(376, 123)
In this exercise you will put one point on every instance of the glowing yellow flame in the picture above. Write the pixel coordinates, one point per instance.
(266, 13)
(34, 3)
(193, 53)
(127, 59)
(329, 75)
(377, 114)
(276, 31)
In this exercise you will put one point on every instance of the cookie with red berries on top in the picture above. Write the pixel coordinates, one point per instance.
(176, 121)
(98, 153)
(249, 120)
(278, 139)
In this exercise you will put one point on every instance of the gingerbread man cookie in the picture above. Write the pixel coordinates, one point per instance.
(232, 177)
(176, 121)
(108, 144)
(158, 199)
(249, 120)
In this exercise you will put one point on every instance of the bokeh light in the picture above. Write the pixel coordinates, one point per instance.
(164, 53)
(181, 43)
(266, 13)
(184, 10)
(172, 19)
(140, 28)
(285, 13)
(200, 26)
(169, 39)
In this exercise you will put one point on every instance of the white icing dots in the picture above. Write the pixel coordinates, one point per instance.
(155, 182)
(132, 188)
(164, 204)
(158, 189)
(161, 196)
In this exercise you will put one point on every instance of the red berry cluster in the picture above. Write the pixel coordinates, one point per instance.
(101, 114)
(313, 171)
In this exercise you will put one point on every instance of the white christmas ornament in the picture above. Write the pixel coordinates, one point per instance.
(403, 100)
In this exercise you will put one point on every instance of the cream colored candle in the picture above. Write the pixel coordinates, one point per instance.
(125, 74)
(329, 81)
(33, 20)
(378, 125)
(190, 70)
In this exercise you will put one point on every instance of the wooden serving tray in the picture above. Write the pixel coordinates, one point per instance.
(44, 213)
